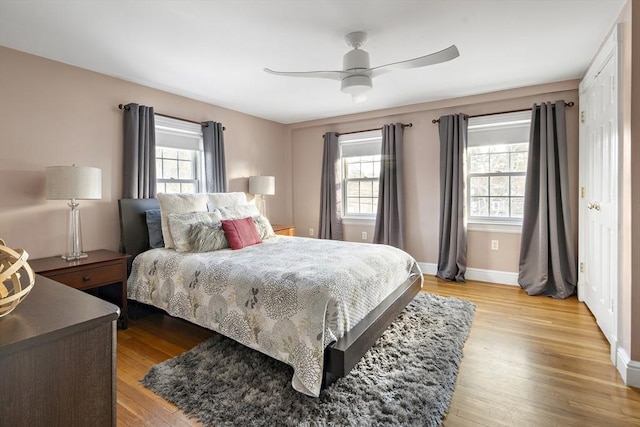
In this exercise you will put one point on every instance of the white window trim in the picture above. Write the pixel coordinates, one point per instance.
(494, 227)
(355, 138)
(183, 136)
(495, 224)
(353, 220)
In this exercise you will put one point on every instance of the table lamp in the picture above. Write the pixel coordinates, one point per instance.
(74, 183)
(262, 186)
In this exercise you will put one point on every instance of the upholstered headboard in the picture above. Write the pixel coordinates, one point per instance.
(134, 237)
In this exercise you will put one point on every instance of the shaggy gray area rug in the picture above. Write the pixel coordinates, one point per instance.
(406, 378)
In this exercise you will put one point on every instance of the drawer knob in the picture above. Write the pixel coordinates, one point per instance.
(86, 278)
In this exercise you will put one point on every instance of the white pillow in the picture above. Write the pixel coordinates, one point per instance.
(264, 227)
(178, 203)
(238, 212)
(180, 227)
(216, 200)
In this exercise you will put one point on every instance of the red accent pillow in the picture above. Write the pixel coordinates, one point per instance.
(240, 232)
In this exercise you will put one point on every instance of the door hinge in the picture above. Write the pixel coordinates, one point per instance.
(582, 192)
(582, 116)
(582, 267)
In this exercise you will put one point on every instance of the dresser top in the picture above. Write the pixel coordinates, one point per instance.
(50, 311)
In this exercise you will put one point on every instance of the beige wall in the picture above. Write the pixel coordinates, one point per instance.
(421, 174)
(56, 114)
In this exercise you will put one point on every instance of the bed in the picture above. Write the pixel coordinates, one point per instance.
(276, 296)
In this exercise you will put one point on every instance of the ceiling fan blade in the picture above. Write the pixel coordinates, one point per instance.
(332, 75)
(434, 58)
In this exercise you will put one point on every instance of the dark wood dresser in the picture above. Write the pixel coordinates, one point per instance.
(58, 359)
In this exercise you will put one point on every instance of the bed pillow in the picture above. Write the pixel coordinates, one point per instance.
(154, 227)
(237, 212)
(265, 231)
(216, 200)
(240, 232)
(207, 237)
(178, 203)
(180, 227)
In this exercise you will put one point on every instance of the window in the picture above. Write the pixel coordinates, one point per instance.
(497, 153)
(360, 155)
(179, 156)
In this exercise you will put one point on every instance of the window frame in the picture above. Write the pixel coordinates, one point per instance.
(371, 138)
(195, 165)
(487, 123)
(174, 134)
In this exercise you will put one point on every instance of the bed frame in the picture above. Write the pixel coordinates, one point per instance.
(341, 356)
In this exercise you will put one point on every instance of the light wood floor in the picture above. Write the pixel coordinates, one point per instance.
(529, 361)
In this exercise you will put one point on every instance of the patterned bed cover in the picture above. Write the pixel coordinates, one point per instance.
(288, 297)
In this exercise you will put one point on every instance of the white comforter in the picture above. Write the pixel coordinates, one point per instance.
(287, 297)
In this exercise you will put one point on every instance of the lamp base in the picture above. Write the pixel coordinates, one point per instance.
(74, 235)
(261, 205)
(73, 257)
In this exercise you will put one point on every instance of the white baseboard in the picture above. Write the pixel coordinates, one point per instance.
(629, 369)
(491, 276)
(428, 268)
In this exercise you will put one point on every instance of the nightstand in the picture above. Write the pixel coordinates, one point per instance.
(284, 230)
(102, 269)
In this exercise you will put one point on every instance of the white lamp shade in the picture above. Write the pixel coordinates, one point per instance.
(265, 185)
(73, 182)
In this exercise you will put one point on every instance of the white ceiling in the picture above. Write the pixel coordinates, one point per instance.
(215, 51)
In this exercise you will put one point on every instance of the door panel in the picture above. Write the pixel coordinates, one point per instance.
(598, 235)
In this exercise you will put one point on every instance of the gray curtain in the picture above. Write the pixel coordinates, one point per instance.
(452, 252)
(547, 257)
(139, 152)
(389, 222)
(330, 190)
(214, 162)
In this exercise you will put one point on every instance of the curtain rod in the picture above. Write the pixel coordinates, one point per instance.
(567, 104)
(126, 107)
(406, 125)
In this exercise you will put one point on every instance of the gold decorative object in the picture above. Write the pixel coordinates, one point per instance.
(13, 263)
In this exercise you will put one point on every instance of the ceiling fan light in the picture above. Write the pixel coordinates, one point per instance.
(356, 85)
(357, 99)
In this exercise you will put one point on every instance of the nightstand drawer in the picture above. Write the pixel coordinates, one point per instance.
(90, 277)
(284, 230)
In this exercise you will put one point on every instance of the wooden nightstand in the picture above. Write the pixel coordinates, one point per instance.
(284, 230)
(100, 269)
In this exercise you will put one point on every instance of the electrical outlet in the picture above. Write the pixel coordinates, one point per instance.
(495, 245)
(311, 232)
(364, 235)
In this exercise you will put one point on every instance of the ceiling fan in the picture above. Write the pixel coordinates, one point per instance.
(357, 73)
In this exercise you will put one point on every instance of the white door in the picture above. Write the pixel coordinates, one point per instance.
(599, 181)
